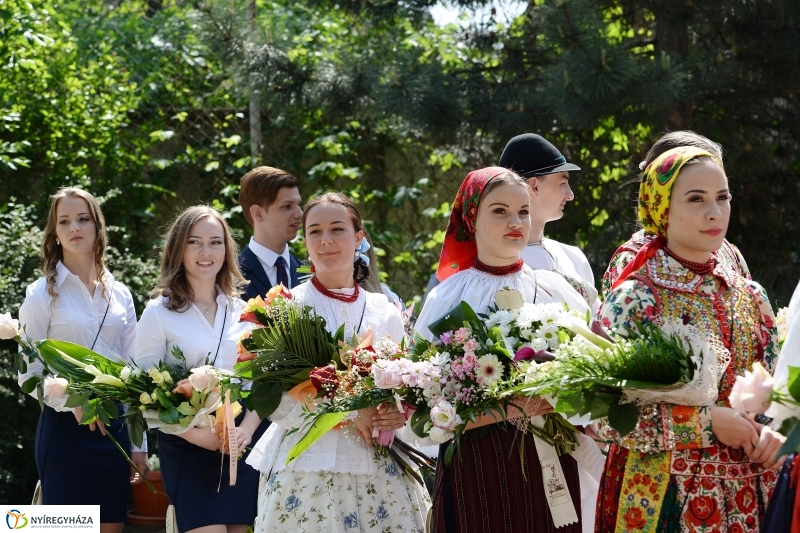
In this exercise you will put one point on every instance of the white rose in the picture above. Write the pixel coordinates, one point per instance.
(55, 387)
(443, 415)
(539, 344)
(204, 378)
(9, 327)
(439, 435)
(144, 398)
(125, 374)
(166, 376)
(155, 375)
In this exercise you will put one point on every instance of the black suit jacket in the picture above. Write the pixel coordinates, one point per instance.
(259, 281)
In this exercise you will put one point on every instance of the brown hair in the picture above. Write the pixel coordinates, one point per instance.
(506, 178)
(360, 268)
(173, 283)
(260, 187)
(51, 248)
(674, 139)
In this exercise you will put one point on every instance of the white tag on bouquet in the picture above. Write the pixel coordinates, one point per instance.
(559, 500)
(508, 299)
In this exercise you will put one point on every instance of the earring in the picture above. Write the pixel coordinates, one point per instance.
(58, 243)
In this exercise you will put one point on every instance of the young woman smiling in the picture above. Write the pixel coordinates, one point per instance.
(79, 301)
(196, 308)
(703, 467)
(339, 483)
(489, 487)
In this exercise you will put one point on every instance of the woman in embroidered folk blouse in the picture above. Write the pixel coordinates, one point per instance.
(728, 256)
(690, 468)
(79, 301)
(489, 486)
(197, 309)
(339, 483)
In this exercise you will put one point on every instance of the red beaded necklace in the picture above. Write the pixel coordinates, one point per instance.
(497, 271)
(335, 295)
(702, 269)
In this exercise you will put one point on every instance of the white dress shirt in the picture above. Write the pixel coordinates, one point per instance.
(267, 259)
(159, 330)
(569, 260)
(75, 316)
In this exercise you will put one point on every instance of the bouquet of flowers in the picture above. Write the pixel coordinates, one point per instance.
(656, 362)
(289, 341)
(355, 381)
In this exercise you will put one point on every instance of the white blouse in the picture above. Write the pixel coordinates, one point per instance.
(75, 316)
(341, 450)
(553, 255)
(477, 289)
(159, 330)
(569, 260)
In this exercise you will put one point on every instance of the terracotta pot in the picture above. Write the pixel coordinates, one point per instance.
(151, 507)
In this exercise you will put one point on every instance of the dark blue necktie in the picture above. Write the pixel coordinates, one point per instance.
(283, 272)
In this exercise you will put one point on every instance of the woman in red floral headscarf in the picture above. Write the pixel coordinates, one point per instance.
(495, 481)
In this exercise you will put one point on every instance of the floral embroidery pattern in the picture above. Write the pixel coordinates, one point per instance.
(320, 502)
(675, 463)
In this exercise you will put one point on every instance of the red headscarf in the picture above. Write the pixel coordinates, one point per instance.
(459, 250)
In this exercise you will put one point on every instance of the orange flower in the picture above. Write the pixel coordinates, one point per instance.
(184, 387)
(248, 313)
(278, 291)
(244, 354)
(634, 519)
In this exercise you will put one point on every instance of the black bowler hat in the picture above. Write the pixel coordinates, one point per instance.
(532, 155)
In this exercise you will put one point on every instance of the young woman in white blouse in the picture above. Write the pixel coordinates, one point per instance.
(197, 309)
(339, 483)
(79, 301)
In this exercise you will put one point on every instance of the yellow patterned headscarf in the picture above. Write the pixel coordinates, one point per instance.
(656, 186)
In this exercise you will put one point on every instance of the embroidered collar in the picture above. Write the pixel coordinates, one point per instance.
(669, 273)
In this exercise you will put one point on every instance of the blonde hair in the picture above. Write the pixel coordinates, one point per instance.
(51, 249)
(173, 284)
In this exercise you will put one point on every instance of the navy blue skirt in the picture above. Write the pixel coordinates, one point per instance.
(78, 466)
(191, 475)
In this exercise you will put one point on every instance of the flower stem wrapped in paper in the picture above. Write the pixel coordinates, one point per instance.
(290, 341)
(657, 362)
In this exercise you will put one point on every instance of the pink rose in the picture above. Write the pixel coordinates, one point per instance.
(55, 388)
(386, 377)
(751, 392)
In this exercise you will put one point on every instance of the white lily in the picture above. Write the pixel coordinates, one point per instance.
(105, 379)
(579, 328)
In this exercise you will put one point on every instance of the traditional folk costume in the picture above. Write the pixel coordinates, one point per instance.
(729, 258)
(783, 514)
(338, 484)
(670, 473)
(489, 487)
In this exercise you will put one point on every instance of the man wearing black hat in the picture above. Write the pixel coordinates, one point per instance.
(546, 172)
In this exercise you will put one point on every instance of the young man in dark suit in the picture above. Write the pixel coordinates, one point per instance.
(270, 201)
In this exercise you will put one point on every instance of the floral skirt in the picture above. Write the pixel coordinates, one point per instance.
(318, 502)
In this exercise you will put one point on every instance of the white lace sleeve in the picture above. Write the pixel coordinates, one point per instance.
(289, 413)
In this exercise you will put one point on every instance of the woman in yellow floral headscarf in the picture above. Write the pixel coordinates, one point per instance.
(689, 468)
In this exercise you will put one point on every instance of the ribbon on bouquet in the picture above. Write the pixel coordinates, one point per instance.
(229, 433)
(559, 500)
